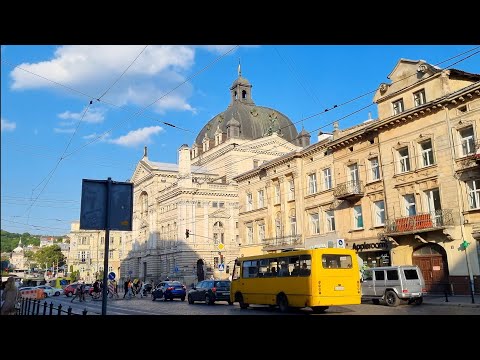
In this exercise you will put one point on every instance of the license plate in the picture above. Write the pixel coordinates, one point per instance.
(339, 288)
(415, 294)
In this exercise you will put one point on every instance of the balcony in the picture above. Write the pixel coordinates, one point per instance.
(430, 221)
(283, 243)
(349, 190)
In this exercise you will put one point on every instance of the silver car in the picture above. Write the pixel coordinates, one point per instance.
(393, 284)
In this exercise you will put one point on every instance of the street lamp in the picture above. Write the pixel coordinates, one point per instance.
(464, 245)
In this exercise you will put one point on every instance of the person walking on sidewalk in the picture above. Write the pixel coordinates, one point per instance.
(79, 292)
(10, 297)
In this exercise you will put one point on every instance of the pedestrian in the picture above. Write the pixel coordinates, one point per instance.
(10, 297)
(125, 287)
(78, 292)
(141, 284)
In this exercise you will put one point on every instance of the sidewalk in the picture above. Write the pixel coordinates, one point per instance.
(457, 300)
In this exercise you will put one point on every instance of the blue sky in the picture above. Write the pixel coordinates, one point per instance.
(42, 121)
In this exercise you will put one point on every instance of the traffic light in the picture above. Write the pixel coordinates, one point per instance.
(187, 233)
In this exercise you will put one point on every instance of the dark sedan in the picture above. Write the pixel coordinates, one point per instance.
(210, 291)
(169, 290)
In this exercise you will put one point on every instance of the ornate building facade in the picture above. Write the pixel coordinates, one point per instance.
(400, 189)
(185, 223)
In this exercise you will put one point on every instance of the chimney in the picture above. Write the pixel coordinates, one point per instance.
(184, 167)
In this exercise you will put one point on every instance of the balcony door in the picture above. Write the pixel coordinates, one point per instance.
(433, 205)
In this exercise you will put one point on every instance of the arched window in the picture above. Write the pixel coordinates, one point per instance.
(293, 222)
(244, 94)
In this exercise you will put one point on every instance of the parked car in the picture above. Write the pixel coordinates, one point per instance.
(392, 284)
(50, 291)
(70, 289)
(169, 290)
(210, 291)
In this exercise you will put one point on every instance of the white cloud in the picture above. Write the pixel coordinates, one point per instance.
(138, 137)
(64, 131)
(93, 68)
(93, 115)
(8, 125)
(103, 137)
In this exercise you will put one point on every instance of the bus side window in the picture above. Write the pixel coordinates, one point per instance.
(305, 265)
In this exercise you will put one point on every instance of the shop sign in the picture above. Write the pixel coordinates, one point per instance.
(383, 245)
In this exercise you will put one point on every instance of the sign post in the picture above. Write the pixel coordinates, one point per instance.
(106, 205)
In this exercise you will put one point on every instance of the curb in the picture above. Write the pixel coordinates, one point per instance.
(452, 304)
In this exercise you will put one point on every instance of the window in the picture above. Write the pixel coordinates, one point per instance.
(375, 168)
(199, 204)
(249, 234)
(215, 204)
(261, 232)
(474, 194)
(215, 262)
(379, 275)
(419, 97)
(327, 179)
(291, 190)
(410, 207)
(379, 213)
(398, 107)
(278, 225)
(255, 164)
(358, 218)
(392, 274)
(314, 224)
(293, 223)
(110, 254)
(404, 161)
(333, 261)
(102, 240)
(330, 217)
(261, 202)
(353, 171)
(277, 193)
(110, 268)
(221, 204)
(467, 140)
(427, 153)
(249, 202)
(312, 183)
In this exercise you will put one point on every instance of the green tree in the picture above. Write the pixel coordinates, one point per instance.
(100, 275)
(74, 276)
(49, 255)
(30, 256)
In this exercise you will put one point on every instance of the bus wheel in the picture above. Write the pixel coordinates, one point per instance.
(391, 298)
(242, 304)
(319, 309)
(282, 303)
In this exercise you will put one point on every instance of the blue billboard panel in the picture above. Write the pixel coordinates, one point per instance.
(94, 208)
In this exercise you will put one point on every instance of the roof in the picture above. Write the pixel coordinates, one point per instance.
(174, 167)
(255, 121)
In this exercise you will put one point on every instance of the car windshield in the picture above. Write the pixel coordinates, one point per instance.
(222, 284)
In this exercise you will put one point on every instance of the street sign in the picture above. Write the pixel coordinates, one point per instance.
(221, 246)
(111, 276)
(176, 269)
(221, 267)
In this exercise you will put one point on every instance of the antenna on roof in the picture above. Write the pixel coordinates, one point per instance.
(239, 69)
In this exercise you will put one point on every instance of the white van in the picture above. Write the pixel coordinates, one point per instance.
(392, 284)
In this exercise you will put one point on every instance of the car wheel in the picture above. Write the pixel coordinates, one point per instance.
(182, 298)
(418, 301)
(242, 304)
(190, 300)
(391, 298)
(208, 300)
(57, 293)
(282, 303)
(69, 294)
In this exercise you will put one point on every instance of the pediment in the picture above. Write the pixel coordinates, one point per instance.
(219, 214)
(141, 170)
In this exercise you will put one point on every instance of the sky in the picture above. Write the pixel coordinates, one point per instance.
(86, 112)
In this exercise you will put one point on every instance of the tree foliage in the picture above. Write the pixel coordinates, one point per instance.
(49, 255)
(9, 241)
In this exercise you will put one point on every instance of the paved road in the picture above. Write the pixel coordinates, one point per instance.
(146, 306)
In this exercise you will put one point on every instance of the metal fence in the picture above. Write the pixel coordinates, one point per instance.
(33, 307)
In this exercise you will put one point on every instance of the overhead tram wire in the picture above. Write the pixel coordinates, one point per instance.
(128, 67)
(348, 115)
(160, 98)
(62, 157)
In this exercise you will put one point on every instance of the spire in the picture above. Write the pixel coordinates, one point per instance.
(239, 68)
(20, 243)
(145, 151)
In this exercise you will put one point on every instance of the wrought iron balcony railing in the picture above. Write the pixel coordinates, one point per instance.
(420, 222)
(353, 188)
